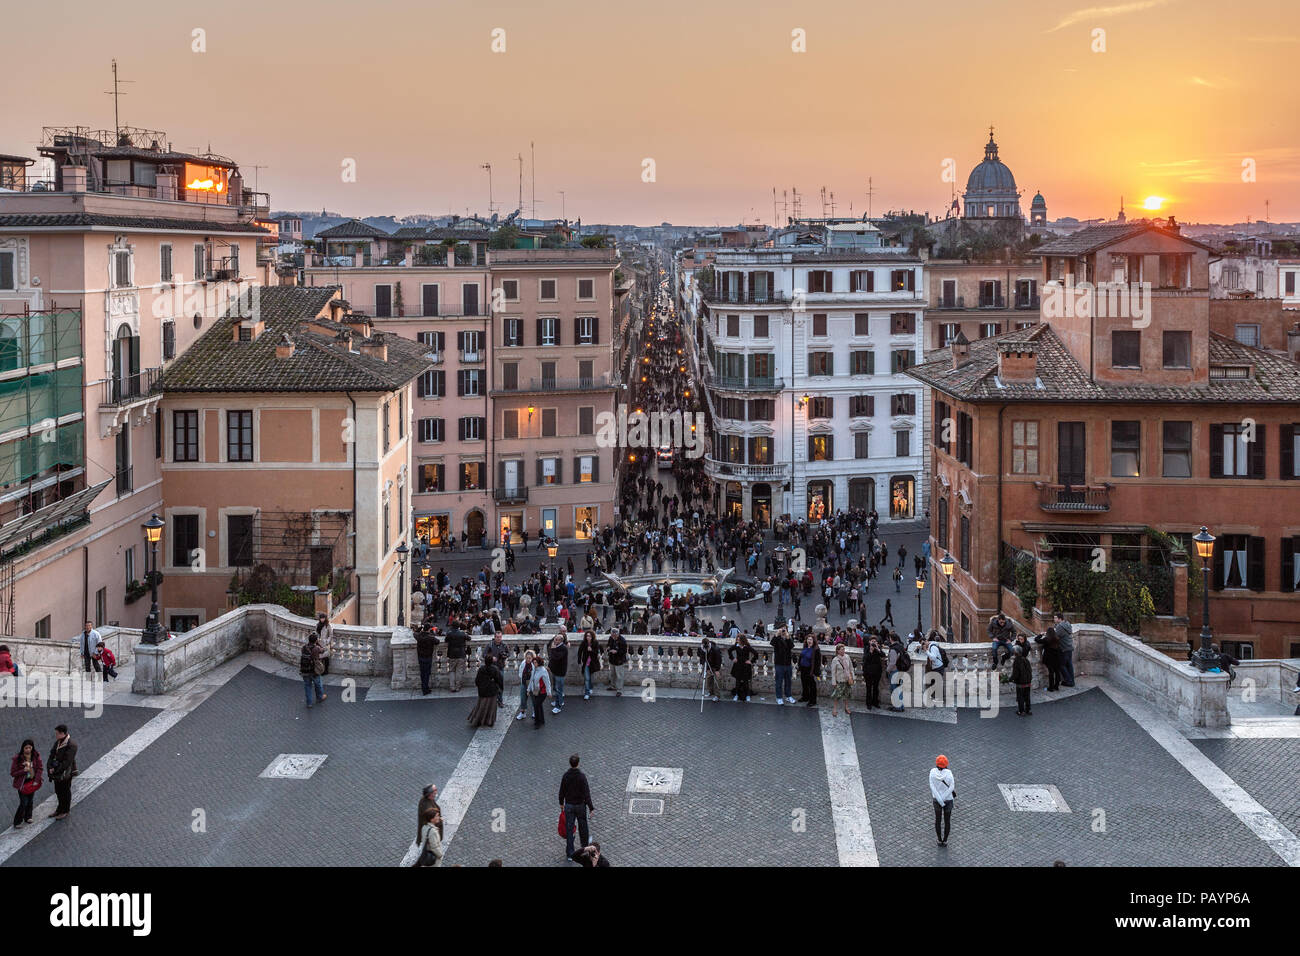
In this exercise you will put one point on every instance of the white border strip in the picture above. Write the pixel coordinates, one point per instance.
(854, 841)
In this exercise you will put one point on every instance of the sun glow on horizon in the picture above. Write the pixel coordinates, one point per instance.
(1153, 202)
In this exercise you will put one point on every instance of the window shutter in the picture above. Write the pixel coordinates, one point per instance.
(1216, 454)
(830, 408)
(911, 280)
(501, 474)
(1287, 439)
(540, 477)
(1216, 570)
(460, 341)
(460, 390)
(577, 469)
(1257, 452)
(830, 363)
(460, 428)
(595, 468)
(440, 384)
(440, 341)
(830, 446)
(539, 331)
(1288, 564)
(419, 387)
(1255, 564)
(559, 471)
(853, 280)
(577, 332)
(595, 330)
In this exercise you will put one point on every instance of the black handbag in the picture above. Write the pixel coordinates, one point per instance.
(427, 858)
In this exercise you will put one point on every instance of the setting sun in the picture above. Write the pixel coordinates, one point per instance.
(1153, 202)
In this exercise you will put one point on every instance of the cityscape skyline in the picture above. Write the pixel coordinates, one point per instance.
(419, 136)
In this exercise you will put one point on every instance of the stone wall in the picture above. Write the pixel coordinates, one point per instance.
(64, 656)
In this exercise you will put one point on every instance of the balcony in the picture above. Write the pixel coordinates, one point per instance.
(517, 495)
(1027, 302)
(739, 383)
(557, 385)
(950, 302)
(725, 297)
(129, 389)
(1073, 499)
(740, 471)
(993, 302)
(472, 358)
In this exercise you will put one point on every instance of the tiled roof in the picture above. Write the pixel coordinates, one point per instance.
(352, 229)
(432, 232)
(82, 220)
(1061, 378)
(320, 362)
(1089, 240)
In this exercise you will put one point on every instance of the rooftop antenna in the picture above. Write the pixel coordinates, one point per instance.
(488, 167)
(871, 191)
(775, 220)
(564, 214)
(520, 157)
(532, 158)
(1266, 202)
(116, 94)
(823, 196)
(832, 204)
(255, 170)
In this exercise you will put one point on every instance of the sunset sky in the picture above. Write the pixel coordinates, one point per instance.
(712, 92)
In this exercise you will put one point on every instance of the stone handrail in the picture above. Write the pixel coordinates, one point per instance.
(64, 656)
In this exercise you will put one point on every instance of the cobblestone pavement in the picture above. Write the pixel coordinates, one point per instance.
(1155, 813)
(1269, 770)
(754, 788)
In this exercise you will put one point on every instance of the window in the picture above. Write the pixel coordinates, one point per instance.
(760, 450)
(239, 541)
(430, 430)
(1178, 349)
(401, 414)
(383, 301)
(1176, 450)
(762, 410)
(862, 280)
(164, 263)
(512, 333)
(1291, 572)
(185, 541)
(469, 382)
(200, 261)
(386, 425)
(388, 543)
(760, 327)
(862, 362)
(862, 405)
(819, 325)
(939, 437)
(121, 270)
(902, 404)
(989, 329)
(1175, 270)
(903, 443)
(991, 294)
(1238, 562)
(471, 428)
(1125, 449)
(168, 340)
(948, 294)
(433, 341)
(585, 375)
(587, 420)
(469, 298)
(546, 290)
(510, 290)
(902, 280)
(586, 289)
(1289, 453)
(822, 407)
(470, 345)
(820, 280)
(821, 363)
(549, 419)
(902, 323)
(429, 300)
(7, 276)
(862, 444)
(586, 469)
(861, 324)
(947, 332)
(549, 471)
(472, 475)
(180, 623)
(509, 376)
(429, 477)
(101, 607)
(548, 331)
(1237, 451)
(902, 360)
(431, 384)
(510, 423)
(1289, 283)
(548, 375)
(941, 528)
(1024, 448)
(584, 330)
(239, 436)
(185, 436)
(42, 630)
(821, 448)
(965, 431)
(1246, 335)
(964, 543)
(1126, 349)
(733, 326)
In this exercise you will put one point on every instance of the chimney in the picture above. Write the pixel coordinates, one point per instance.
(344, 338)
(165, 186)
(360, 323)
(284, 349)
(376, 347)
(1017, 362)
(960, 347)
(1293, 343)
(74, 179)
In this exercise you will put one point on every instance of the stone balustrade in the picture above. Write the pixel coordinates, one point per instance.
(64, 656)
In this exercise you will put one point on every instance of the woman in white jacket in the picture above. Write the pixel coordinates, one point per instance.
(943, 788)
(430, 839)
(324, 636)
(539, 685)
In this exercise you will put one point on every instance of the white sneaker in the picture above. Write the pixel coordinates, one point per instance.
(789, 700)
(519, 716)
(555, 710)
(780, 701)
(586, 697)
(714, 697)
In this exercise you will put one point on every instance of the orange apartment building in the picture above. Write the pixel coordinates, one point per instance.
(1088, 430)
(981, 299)
(116, 254)
(287, 462)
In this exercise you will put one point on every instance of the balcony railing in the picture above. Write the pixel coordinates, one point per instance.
(951, 302)
(993, 302)
(470, 358)
(559, 385)
(753, 384)
(1074, 498)
(1027, 302)
(129, 388)
(741, 471)
(507, 495)
(745, 298)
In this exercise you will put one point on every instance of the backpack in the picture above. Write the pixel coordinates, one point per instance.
(943, 655)
(904, 661)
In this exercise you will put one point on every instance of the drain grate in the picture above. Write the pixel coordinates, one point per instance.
(646, 807)
(293, 766)
(1034, 797)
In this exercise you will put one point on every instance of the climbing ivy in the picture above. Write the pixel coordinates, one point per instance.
(1122, 596)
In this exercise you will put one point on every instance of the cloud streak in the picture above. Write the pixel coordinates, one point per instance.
(1093, 13)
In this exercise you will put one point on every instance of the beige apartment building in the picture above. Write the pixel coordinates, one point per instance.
(287, 462)
(979, 299)
(116, 254)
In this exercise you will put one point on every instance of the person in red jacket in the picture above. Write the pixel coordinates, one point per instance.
(26, 769)
(106, 660)
(7, 665)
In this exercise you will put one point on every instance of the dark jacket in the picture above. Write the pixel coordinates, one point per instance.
(781, 648)
(713, 657)
(582, 858)
(816, 667)
(456, 641)
(1051, 648)
(62, 762)
(873, 663)
(574, 788)
(1022, 673)
(20, 776)
(557, 659)
(616, 651)
(496, 653)
(488, 680)
(589, 657)
(307, 662)
(425, 645)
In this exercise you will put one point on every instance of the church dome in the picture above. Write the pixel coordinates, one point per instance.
(992, 175)
(1038, 200)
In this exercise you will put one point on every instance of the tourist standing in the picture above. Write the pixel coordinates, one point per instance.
(873, 663)
(1022, 675)
(616, 658)
(711, 660)
(497, 652)
(539, 685)
(457, 642)
(1065, 637)
(325, 638)
(557, 657)
(430, 839)
(1051, 657)
(26, 771)
(841, 680)
(782, 663)
(490, 684)
(61, 768)
(943, 788)
(526, 667)
(900, 665)
(89, 638)
(575, 798)
(588, 661)
(425, 645)
(309, 668)
(743, 668)
(810, 667)
(428, 800)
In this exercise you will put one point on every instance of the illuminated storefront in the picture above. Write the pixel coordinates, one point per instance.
(902, 497)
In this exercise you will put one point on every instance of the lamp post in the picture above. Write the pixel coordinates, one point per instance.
(402, 552)
(948, 564)
(920, 587)
(1204, 658)
(152, 534)
(552, 549)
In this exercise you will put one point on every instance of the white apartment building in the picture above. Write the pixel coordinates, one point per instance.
(802, 350)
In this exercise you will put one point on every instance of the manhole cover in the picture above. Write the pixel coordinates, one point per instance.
(1034, 797)
(646, 807)
(293, 766)
(667, 780)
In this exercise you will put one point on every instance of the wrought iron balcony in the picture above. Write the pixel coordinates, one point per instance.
(517, 494)
(739, 383)
(1074, 498)
(128, 389)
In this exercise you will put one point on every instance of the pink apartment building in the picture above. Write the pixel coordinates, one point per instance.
(114, 258)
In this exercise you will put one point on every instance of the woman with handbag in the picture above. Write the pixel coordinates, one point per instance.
(25, 768)
(588, 661)
(431, 838)
(810, 666)
(324, 638)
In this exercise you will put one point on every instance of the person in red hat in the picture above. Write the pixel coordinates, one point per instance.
(942, 789)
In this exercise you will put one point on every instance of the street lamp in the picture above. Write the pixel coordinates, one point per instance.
(948, 564)
(152, 535)
(1204, 658)
(920, 587)
(552, 549)
(402, 552)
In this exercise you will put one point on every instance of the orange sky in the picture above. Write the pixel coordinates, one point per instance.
(711, 91)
